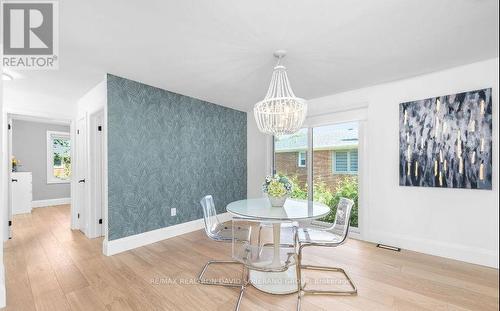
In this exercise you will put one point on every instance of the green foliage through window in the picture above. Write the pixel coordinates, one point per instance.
(346, 188)
(61, 149)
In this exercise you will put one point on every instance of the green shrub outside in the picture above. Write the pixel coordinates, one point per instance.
(346, 188)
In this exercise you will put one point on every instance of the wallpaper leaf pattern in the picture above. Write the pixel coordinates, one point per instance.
(168, 150)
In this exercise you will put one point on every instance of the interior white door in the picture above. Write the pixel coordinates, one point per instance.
(81, 171)
(21, 193)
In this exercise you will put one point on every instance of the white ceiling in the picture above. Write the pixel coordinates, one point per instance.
(221, 51)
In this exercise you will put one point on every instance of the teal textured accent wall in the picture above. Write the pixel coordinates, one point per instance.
(168, 150)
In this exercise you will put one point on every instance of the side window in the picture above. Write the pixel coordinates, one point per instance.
(345, 161)
(341, 162)
(302, 159)
(58, 157)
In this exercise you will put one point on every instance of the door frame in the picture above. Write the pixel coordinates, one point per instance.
(80, 215)
(9, 179)
(90, 166)
(96, 168)
(338, 117)
(13, 114)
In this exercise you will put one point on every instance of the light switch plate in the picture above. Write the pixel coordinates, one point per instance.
(173, 211)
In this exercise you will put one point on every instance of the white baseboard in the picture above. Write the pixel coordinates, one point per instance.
(113, 247)
(470, 254)
(51, 202)
(453, 251)
(18, 212)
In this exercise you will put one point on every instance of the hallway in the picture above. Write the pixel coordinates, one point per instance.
(42, 258)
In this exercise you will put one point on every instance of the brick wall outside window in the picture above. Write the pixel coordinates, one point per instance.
(287, 164)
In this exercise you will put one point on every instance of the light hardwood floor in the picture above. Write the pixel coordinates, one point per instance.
(49, 267)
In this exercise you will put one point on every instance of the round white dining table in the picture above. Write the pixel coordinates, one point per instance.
(293, 210)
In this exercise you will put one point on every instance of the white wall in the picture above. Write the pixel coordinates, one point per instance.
(94, 100)
(26, 96)
(456, 223)
(258, 157)
(31, 103)
(29, 146)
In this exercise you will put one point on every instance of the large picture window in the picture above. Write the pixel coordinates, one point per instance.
(58, 157)
(334, 171)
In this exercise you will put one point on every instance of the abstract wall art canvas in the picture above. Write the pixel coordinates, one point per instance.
(446, 141)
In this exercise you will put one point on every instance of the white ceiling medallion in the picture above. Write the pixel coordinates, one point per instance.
(280, 112)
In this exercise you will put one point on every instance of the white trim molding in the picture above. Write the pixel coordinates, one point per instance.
(51, 202)
(470, 254)
(113, 247)
(38, 116)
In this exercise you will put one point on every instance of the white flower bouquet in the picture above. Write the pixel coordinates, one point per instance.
(278, 188)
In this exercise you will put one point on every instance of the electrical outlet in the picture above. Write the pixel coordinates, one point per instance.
(173, 211)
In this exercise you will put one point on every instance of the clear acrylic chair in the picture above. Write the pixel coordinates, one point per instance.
(287, 236)
(218, 231)
(323, 234)
(256, 257)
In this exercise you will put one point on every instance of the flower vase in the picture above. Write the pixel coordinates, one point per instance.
(277, 201)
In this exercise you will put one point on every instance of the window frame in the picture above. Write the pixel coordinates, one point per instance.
(299, 159)
(50, 160)
(349, 170)
(356, 232)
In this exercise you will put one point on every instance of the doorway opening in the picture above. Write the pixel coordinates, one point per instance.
(39, 171)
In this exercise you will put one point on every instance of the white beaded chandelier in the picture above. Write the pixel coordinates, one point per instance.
(280, 112)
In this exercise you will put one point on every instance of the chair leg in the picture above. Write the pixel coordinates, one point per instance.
(243, 286)
(201, 280)
(352, 292)
(299, 281)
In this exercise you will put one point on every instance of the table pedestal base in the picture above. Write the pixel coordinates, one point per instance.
(278, 283)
